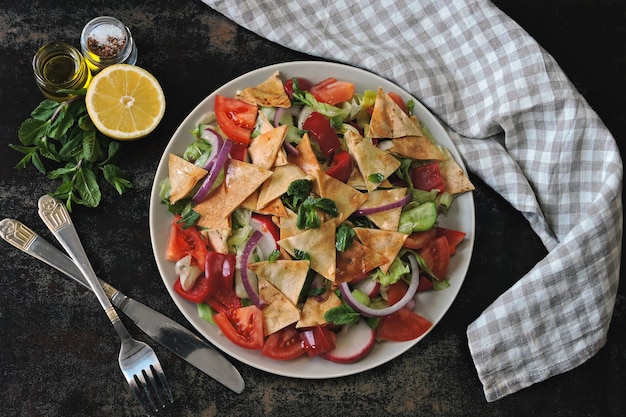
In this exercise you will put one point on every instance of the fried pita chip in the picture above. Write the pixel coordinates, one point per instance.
(279, 312)
(241, 179)
(319, 244)
(389, 120)
(217, 238)
(416, 147)
(454, 178)
(314, 309)
(389, 219)
(305, 159)
(213, 211)
(183, 177)
(288, 224)
(374, 163)
(264, 148)
(286, 275)
(348, 199)
(385, 242)
(274, 208)
(266, 125)
(270, 93)
(278, 183)
(357, 261)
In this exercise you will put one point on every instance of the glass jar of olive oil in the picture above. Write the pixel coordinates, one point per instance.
(57, 66)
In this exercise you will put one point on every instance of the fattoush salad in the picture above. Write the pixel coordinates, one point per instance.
(305, 218)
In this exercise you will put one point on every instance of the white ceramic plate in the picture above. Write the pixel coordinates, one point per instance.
(432, 305)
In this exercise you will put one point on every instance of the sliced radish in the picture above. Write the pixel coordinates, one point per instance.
(353, 343)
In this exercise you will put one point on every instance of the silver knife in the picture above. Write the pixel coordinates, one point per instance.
(159, 327)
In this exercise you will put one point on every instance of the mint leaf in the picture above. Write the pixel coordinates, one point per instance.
(343, 314)
(88, 188)
(64, 134)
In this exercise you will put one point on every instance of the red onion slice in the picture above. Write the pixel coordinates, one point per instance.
(373, 210)
(220, 161)
(280, 111)
(243, 267)
(290, 149)
(381, 312)
(215, 139)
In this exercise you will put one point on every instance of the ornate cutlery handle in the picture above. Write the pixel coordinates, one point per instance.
(17, 234)
(55, 215)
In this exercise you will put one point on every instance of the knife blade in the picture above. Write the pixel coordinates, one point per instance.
(167, 332)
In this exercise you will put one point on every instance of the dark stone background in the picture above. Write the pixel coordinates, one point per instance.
(58, 353)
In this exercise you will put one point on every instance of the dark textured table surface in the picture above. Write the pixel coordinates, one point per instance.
(58, 352)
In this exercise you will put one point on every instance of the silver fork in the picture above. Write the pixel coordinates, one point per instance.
(138, 361)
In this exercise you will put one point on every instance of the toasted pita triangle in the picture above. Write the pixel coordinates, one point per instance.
(385, 242)
(213, 210)
(389, 120)
(319, 244)
(273, 208)
(357, 261)
(314, 309)
(416, 147)
(278, 183)
(264, 148)
(288, 224)
(371, 160)
(241, 179)
(279, 312)
(217, 238)
(270, 93)
(305, 159)
(389, 219)
(266, 125)
(348, 199)
(454, 178)
(183, 177)
(286, 275)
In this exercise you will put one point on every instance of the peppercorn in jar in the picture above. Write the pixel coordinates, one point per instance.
(106, 41)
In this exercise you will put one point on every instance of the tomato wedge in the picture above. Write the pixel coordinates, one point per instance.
(399, 101)
(419, 240)
(341, 166)
(402, 326)
(454, 237)
(332, 91)
(283, 345)
(236, 118)
(318, 340)
(183, 242)
(396, 291)
(243, 327)
(437, 256)
(427, 177)
(425, 284)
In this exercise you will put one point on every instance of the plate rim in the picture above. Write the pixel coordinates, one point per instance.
(278, 367)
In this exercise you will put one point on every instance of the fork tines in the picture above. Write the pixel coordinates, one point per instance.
(141, 389)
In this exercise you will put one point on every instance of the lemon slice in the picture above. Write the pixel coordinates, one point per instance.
(125, 102)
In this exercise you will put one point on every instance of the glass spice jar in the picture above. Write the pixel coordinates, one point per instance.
(58, 65)
(106, 41)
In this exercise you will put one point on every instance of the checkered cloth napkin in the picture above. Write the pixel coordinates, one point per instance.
(521, 127)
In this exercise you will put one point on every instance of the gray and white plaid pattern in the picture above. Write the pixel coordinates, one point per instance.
(522, 127)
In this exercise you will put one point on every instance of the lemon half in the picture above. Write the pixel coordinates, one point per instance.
(125, 102)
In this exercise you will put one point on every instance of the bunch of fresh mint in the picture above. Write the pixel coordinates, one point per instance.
(63, 134)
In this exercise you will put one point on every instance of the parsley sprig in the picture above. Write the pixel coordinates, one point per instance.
(63, 134)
